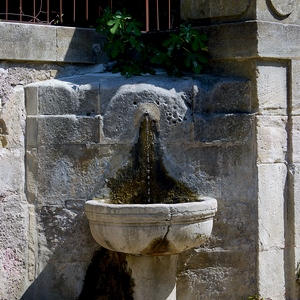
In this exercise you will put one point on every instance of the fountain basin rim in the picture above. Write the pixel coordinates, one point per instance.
(98, 211)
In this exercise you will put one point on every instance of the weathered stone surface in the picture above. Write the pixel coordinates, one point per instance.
(50, 43)
(81, 45)
(67, 172)
(237, 165)
(227, 128)
(35, 42)
(271, 139)
(295, 88)
(272, 34)
(220, 95)
(56, 130)
(197, 268)
(272, 88)
(58, 98)
(128, 106)
(271, 271)
(271, 218)
(220, 8)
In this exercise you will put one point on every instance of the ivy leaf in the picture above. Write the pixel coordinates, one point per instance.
(116, 48)
(115, 24)
(133, 27)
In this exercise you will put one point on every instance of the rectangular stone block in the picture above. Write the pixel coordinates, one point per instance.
(295, 90)
(271, 211)
(68, 129)
(31, 131)
(222, 96)
(57, 97)
(296, 185)
(296, 139)
(31, 99)
(224, 128)
(238, 169)
(79, 45)
(68, 172)
(27, 42)
(31, 175)
(271, 36)
(271, 139)
(203, 9)
(222, 275)
(272, 87)
(271, 274)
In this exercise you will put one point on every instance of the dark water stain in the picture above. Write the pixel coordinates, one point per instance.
(107, 278)
(159, 246)
(145, 179)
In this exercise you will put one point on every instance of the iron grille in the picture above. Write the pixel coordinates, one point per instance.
(154, 14)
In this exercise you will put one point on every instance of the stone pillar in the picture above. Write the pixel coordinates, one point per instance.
(259, 40)
(154, 276)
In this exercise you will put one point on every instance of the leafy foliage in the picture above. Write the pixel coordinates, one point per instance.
(183, 50)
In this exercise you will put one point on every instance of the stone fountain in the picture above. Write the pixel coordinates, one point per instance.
(148, 214)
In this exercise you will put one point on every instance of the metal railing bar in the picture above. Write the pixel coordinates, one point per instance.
(6, 10)
(74, 11)
(87, 10)
(47, 12)
(157, 15)
(60, 12)
(147, 15)
(20, 10)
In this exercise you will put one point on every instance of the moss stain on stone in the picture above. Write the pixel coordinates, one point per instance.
(145, 180)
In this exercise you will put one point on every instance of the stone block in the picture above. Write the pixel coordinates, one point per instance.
(31, 131)
(68, 129)
(12, 170)
(132, 102)
(296, 192)
(224, 128)
(272, 88)
(79, 45)
(13, 243)
(31, 175)
(271, 211)
(295, 89)
(295, 139)
(216, 275)
(232, 40)
(34, 42)
(223, 96)
(56, 97)
(238, 168)
(271, 35)
(12, 121)
(195, 10)
(72, 172)
(110, 85)
(197, 167)
(271, 274)
(271, 139)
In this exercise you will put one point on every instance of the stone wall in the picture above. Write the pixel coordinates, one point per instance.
(252, 168)
(80, 134)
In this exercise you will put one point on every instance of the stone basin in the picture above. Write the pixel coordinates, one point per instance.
(151, 229)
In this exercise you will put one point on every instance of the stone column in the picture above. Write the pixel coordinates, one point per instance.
(260, 40)
(154, 276)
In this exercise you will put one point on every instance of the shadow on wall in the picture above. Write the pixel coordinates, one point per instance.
(73, 247)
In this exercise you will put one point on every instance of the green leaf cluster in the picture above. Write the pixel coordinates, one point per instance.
(183, 50)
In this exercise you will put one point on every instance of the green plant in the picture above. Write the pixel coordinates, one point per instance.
(124, 43)
(182, 50)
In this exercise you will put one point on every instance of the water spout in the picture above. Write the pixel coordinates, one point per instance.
(145, 179)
